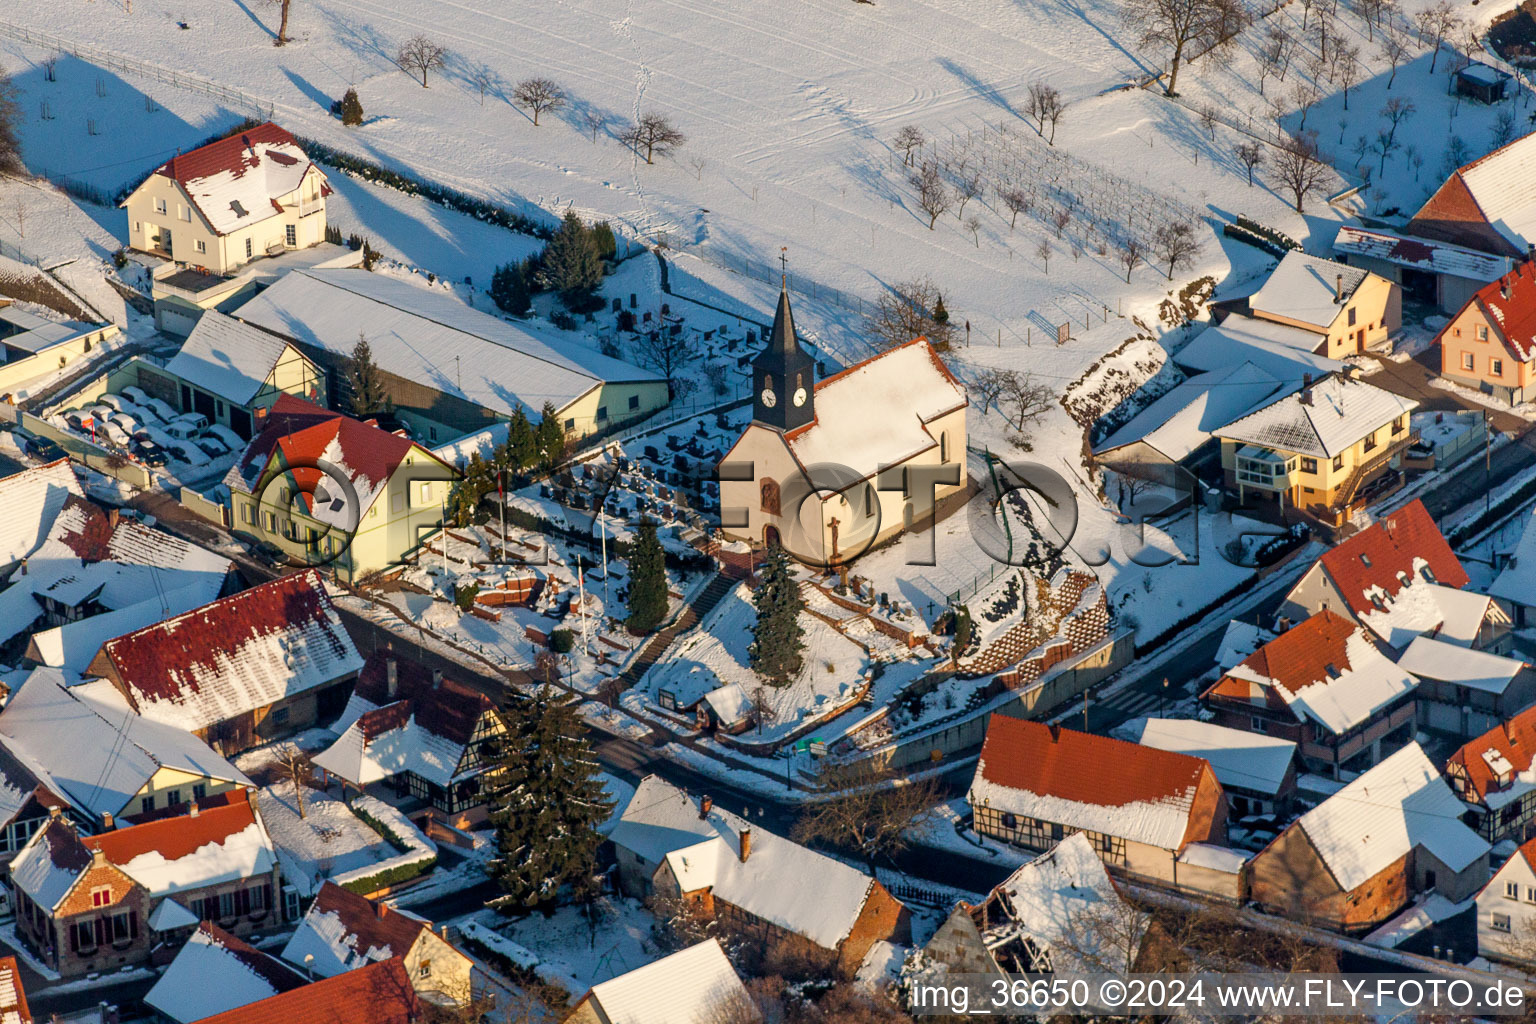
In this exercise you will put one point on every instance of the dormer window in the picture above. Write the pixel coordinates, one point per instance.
(1428, 574)
(1365, 560)
(1380, 604)
(1332, 670)
(240, 211)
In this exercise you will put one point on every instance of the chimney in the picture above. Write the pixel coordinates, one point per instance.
(746, 844)
(1504, 287)
(391, 676)
(437, 678)
(443, 931)
(55, 813)
(1338, 289)
(705, 804)
(1055, 728)
(1306, 394)
(98, 856)
(193, 810)
(107, 824)
(113, 515)
(381, 909)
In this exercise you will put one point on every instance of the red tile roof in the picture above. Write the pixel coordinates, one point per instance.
(1082, 767)
(175, 838)
(1296, 658)
(231, 154)
(445, 708)
(375, 925)
(172, 660)
(1515, 739)
(13, 998)
(380, 993)
(1511, 305)
(91, 540)
(1376, 555)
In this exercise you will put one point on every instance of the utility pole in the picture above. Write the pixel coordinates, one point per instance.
(501, 494)
(602, 533)
(1487, 468)
(581, 591)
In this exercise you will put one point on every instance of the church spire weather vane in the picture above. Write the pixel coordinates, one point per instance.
(784, 267)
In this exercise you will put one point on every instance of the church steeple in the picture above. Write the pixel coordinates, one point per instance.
(783, 375)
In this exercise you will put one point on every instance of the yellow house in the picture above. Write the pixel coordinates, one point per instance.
(85, 744)
(1352, 308)
(224, 204)
(334, 492)
(883, 441)
(232, 373)
(1322, 448)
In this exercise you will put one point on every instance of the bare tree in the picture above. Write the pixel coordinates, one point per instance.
(282, 25)
(1304, 95)
(664, 352)
(1132, 252)
(420, 55)
(871, 810)
(1397, 110)
(1384, 145)
(1018, 390)
(1176, 244)
(1435, 24)
(968, 187)
(1209, 118)
(764, 710)
(907, 142)
(1018, 201)
(595, 120)
(1271, 52)
(1251, 156)
(1394, 51)
(1179, 26)
(933, 196)
(1043, 254)
(538, 95)
(1347, 68)
(1061, 219)
(482, 79)
(698, 163)
(906, 311)
(973, 225)
(655, 133)
(1300, 167)
(1503, 129)
(1046, 107)
(296, 765)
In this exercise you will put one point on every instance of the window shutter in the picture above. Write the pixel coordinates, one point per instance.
(74, 938)
(133, 924)
(102, 938)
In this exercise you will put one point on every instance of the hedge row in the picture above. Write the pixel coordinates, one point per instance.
(1279, 238)
(390, 876)
(1253, 238)
(1498, 510)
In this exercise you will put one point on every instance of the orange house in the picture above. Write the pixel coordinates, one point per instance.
(1490, 343)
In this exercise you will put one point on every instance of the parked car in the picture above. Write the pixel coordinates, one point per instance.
(182, 430)
(116, 434)
(160, 409)
(152, 455)
(196, 419)
(228, 438)
(114, 402)
(100, 411)
(187, 451)
(211, 446)
(45, 449)
(79, 419)
(135, 395)
(130, 424)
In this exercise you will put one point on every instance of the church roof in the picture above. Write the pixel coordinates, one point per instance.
(903, 388)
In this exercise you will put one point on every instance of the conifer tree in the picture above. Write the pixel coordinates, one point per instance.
(607, 244)
(572, 265)
(521, 450)
(478, 480)
(548, 808)
(368, 392)
(509, 289)
(550, 437)
(777, 640)
(647, 580)
(351, 108)
(940, 314)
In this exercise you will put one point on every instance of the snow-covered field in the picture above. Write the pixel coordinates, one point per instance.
(326, 840)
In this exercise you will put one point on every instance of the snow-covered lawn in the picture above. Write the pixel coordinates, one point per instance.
(328, 840)
(571, 953)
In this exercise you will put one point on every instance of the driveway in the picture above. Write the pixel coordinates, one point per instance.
(1412, 378)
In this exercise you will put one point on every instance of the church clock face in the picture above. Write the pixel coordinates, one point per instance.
(799, 397)
(768, 397)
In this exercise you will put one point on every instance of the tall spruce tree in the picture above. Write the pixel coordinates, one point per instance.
(368, 391)
(573, 265)
(647, 580)
(550, 437)
(548, 808)
(521, 452)
(777, 640)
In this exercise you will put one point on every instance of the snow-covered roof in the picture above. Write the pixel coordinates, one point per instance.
(1214, 858)
(214, 972)
(13, 998)
(782, 882)
(238, 181)
(1498, 764)
(1419, 607)
(1420, 253)
(1400, 804)
(730, 703)
(902, 389)
(693, 984)
(92, 749)
(1284, 352)
(227, 358)
(1341, 411)
(406, 736)
(239, 653)
(1239, 640)
(220, 843)
(1429, 658)
(344, 931)
(1505, 191)
(1240, 759)
(48, 865)
(1516, 582)
(168, 916)
(1324, 669)
(1307, 289)
(429, 336)
(1396, 550)
(1185, 418)
(1060, 775)
(1511, 304)
(74, 645)
(1064, 901)
(29, 502)
(379, 993)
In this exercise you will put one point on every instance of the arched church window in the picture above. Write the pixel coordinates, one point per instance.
(770, 492)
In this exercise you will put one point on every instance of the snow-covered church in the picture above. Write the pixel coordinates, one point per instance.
(830, 468)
